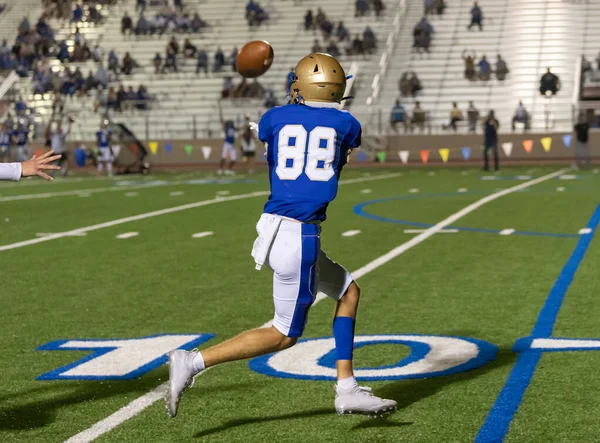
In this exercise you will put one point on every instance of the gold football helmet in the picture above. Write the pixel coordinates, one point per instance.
(319, 78)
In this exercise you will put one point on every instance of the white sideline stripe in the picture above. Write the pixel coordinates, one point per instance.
(167, 211)
(351, 233)
(146, 400)
(418, 231)
(44, 234)
(128, 235)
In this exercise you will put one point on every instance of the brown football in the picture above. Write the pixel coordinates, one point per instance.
(254, 59)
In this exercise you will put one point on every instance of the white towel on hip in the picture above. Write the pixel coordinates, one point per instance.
(267, 228)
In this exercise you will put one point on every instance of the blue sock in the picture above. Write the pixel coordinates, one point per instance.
(343, 332)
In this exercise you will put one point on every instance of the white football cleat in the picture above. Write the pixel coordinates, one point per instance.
(181, 376)
(360, 400)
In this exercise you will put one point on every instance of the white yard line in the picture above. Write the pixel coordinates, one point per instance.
(165, 211)
(418, 231)
(138, 405)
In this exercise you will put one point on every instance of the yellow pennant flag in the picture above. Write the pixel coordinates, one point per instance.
(444, 153)
(546, 143)
(153, 147)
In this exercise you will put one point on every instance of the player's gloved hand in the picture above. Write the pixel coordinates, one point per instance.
(37, 165)
(253, 126)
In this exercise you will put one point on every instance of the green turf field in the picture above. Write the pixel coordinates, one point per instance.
(67, 276)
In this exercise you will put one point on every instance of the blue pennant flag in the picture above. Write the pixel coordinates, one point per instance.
(466, 152)
(168, 147)
(567, 140)
(362, 156)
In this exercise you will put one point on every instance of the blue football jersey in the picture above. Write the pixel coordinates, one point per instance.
(4, 139)
(307, 149)
(230, 135)
(22, 136)
(102, 137)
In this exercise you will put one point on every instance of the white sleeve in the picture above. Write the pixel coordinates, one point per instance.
(10, 171)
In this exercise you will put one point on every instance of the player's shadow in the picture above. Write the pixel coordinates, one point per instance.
(407, 392)
(291, 416)
(43, 403)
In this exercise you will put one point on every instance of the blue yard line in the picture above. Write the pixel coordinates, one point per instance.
(496, 424)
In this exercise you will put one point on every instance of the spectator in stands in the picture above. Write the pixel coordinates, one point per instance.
(202, 61)
(327, 29)
(358, 46)
(521, 116)
(485, 69)
(24, 26)
(472, 117)
(178, 5)
(111, 101)
(140, 5)
(101, 76)
(476, 17)
(320, 17)
(20, 107)
(418, 117)
(143, 26)
(157, 62)
(549, 83)
(255, 90)
(341, 32)
(97, 54)
(219, 60)
(404, 85)
(429, 7)
(78, 36)
(440, 6)
(170, 60)
(63, 51)
(469, 59)
(333, 49)
(142, 98)
(189, 49)
(58, 106)
(113, 62)
(128, 64)
(370, 41)
(361, 8)
(270, 99)
(316, 47)
(501, 68)
(126, 25)
(77, 14)
(121, 98)
(582, 151)
(490, 140)
(90, 82)
(233, 58)
(586, 66)
(415, 85)
(228, 87)
(131, 97)
(173, 45)
(398, 115)
(422, 35)
(309, 21)
(378, 7)
(456, 116)
(348, 45)
(197, 23)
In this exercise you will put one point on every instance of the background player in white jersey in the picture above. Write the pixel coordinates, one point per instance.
(248, 141)
(228, 151)
(58, 142)
(105, 154)
(308, 143)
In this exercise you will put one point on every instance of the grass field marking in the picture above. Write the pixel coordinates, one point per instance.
(136, 406)
(176, 193)
(366, 191)
(131, 194)
(508, 231)
(202, 234)
(507, 403)
(584, 231)
(560, 189)
(351, 233)
(44, 234)
(462, 190)
(169, 211)
(127, 235)
(418, 231)
(413, 190)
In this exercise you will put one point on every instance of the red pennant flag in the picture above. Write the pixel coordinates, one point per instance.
(424, 156)
(528, 145)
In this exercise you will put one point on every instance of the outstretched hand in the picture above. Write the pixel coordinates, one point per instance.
(37, 165)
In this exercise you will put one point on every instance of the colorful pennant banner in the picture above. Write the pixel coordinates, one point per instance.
(528, 145)
(424, 156)
(466, 153)
(546, 143)
(403, 156)
(507, 148)
(444, 153)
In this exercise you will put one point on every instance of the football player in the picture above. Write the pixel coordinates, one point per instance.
(308, 142)
(248, 144)
(105, 155)
(33, 166)
(4, 143)
(228, 150)
(21, 138)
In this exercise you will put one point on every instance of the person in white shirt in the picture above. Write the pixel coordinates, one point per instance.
(33, 166)
(521, 116)
(58, 141)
